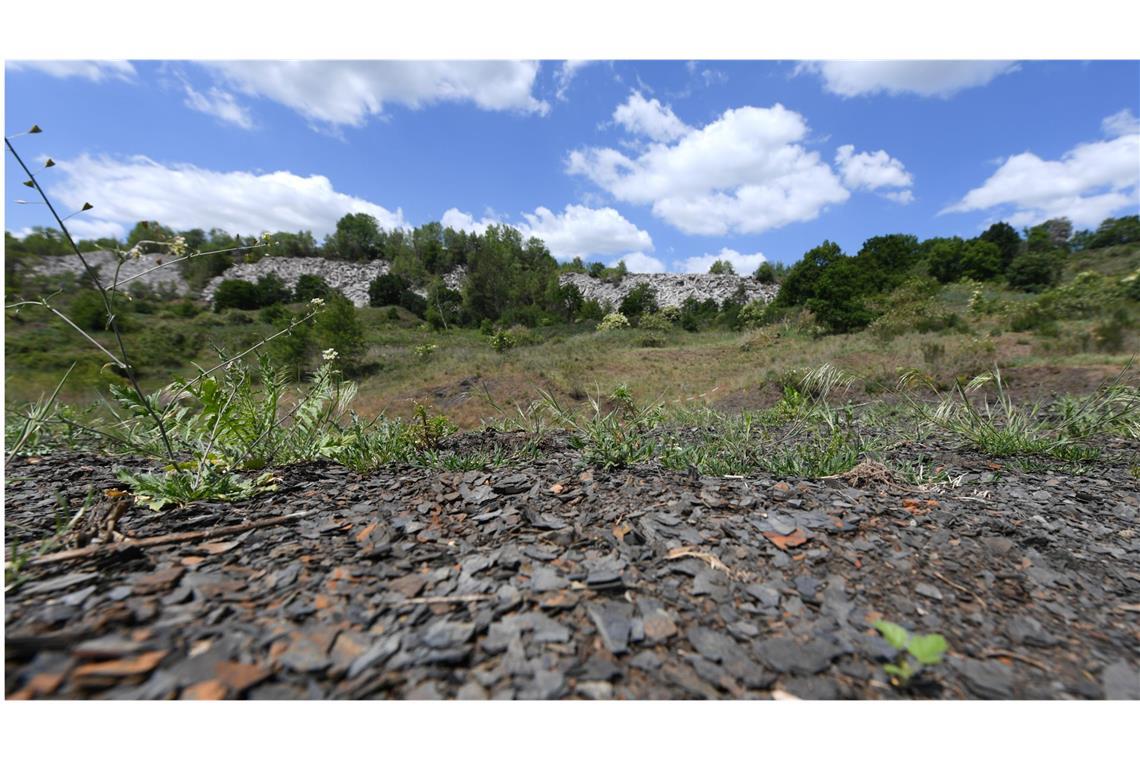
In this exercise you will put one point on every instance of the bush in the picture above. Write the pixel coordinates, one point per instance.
(337, 327)
(981, 260)
(641, 299)
(1035, 271)
(615, 321)
(386, 290)
(310, 286)
(765, 273)
(414, 303)
(721, 267)
(502, 341)
(88, 312)
(236, 294)
(271, 289)
(654, 322)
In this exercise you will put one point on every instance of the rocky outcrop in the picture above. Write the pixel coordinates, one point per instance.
(349, 278)
(164, 279)
(353, 279)
(673, 289)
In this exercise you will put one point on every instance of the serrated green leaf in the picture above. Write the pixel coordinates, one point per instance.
(895, 635)
(927, 649)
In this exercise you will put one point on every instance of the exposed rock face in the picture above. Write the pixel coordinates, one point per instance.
(104, 261)
(349, 278)
(353, 279)
(673, 289)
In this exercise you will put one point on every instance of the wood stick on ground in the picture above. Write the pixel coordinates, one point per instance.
(961, 588)
(449, 599)
(1015, 656)
(169, 538)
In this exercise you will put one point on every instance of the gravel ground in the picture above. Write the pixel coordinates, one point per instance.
(551, 581)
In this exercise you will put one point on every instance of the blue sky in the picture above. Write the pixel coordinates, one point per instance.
(667, 164)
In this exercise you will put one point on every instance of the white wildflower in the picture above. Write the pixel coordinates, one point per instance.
(329, 354)
(317, 302)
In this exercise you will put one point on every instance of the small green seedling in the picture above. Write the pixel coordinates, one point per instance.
(923, 650)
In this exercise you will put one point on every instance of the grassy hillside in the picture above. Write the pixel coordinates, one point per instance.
(1069, 336)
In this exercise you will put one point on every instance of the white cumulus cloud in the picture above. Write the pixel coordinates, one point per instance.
(582, 231)
(642, 263)
(925, 78)
(459, 220)
(742, 263)
(1087, 184)
(746, 172)
(219, 104)
(347, 93)
(184, 196)
(94, 71)
(649, 118)
(870, 170)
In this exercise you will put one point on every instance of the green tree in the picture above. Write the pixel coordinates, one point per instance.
(886, 260)
(838, 301)
(271, 289)
(641, 299)
(386, 290)
(721, 267)
(236, 294)
(981, 260)
(765, 273)
(803, 278)
(944, 258)
(310, 286)
(1005, 237)
(338, 327)
(357, 238)
(1036, 270)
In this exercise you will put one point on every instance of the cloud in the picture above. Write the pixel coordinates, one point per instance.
(1087, 184)
(458, 220)
(873, 171)
(1120, 123)
(94, 71)
(870, 171)
(577, 231)
(582, 231)
(184, 196)
(649, 118)
(219, 104)
(565, 75)
(746, 172)
(742, 263)
(642, 263)
(347, 93)
(926, 78)
(902, 197)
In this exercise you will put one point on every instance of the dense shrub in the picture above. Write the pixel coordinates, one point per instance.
(310, 286)
(337, 327)
(1035, 271)
(386, 290)
(615, 321)
(236, 294)
(641, 299)
(721, 267)
(88, 311)
(271, 289)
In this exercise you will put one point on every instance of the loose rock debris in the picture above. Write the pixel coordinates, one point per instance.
(545, 581)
